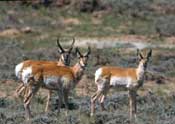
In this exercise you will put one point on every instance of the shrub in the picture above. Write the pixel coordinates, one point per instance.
(165, 25)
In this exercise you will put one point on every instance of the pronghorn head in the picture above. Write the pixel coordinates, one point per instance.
(143, 60)
(83, 58)
(65, 53)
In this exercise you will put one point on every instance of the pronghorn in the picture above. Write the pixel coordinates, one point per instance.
(131, 79)
(52, 77)
(64, 60)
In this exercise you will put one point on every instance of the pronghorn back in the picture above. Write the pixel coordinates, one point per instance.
(116, 71)
(29, 63)
(52, 70)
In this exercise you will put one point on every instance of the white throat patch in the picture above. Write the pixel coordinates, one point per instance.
(140, 72)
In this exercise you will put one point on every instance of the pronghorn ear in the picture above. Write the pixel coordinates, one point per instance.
(140, 56)
(71, 47)
(149, 54)
(78, 53)
(60, 50)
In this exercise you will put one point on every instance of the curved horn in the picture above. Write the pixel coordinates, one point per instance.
(59, 46)
(89, 51)
(70, 49)
(149, 53)
(77, 51)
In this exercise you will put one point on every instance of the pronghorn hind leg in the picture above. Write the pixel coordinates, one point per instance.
(19, 89)
(104, 93)
(27, 101)
(31, 91)
(101, 100)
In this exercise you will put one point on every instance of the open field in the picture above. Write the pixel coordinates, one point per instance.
(30, 32)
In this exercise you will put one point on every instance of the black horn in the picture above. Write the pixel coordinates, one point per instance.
(59, 46)
(77, 51)
(89, 51)
(149, 53)
(70, 49)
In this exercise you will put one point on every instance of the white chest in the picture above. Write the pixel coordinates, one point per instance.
(50, 79)
(56, 82)
(51, 82)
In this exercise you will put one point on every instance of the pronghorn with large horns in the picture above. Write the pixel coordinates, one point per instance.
(131, 79)
(59, 78)
(64, 60)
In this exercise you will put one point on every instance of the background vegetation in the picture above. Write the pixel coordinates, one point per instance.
(113, 29)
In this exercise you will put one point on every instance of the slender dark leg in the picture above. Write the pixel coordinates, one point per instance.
(102, 98)
(27, 100)
(132, 105)
(93, 99)
(19, 89)
(65, 100)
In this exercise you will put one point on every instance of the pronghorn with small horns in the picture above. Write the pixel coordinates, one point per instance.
(64, 60)
(59, 78)
(131, 79)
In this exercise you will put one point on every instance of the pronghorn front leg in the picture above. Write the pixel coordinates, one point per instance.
(60, 95)
(27, 100)
(101, 100)
(93, 99)
(65, 100)
(132, 105)
(48, 101)
(105, 89)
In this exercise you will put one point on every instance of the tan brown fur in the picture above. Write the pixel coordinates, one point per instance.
(20, 90)
(39, 73)
(53, 70)
(131, 78)
(119, 71)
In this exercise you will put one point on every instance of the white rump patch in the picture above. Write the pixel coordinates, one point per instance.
(98, 74)
(26, 74)
(18, 69)
(120, 81)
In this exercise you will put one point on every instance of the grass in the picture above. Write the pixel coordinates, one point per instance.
(48, 23)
